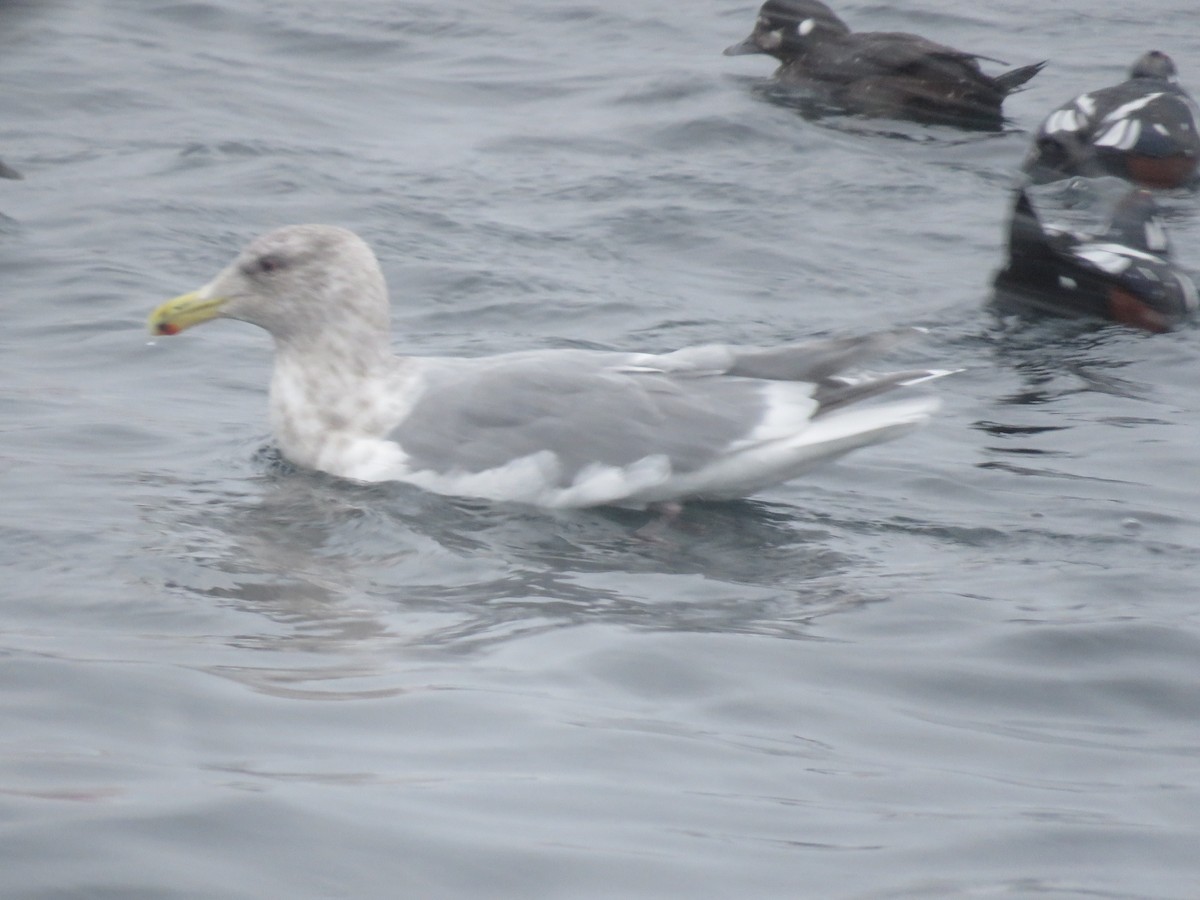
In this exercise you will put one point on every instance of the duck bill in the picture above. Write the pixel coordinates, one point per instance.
(183, 312)
(745, 48)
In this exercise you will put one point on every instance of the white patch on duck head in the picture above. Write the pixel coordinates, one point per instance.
(806, 27)
(771, 40)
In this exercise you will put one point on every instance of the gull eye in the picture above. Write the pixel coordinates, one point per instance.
(266, 264)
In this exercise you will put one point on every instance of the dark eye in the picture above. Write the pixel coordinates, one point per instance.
(270, 263)
(267, 263)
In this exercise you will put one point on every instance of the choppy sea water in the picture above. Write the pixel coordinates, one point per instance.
(962, 664)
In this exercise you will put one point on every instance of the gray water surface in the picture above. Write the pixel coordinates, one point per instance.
(964, 664)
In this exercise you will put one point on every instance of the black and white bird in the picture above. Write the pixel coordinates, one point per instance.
(1143, 129)
(1123, 272)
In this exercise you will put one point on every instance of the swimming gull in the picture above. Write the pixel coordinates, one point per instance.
(555, 428)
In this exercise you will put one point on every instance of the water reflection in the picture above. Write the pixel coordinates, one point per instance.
(815, 109)
(1082, 412)
(365, 572)
(1055, 359)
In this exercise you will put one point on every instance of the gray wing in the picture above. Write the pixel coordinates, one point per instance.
(482, 414)
(814, 361)
(590, 407)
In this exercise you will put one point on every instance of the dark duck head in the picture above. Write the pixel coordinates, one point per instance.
(786, 29)
(1154, 64)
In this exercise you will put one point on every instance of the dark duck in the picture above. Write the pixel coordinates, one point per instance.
(877, 73)
(1123, 274)
(1143, 130)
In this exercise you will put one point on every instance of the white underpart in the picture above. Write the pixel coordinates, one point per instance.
(341, 430)
(536, 479)
(361, 458)
(1122, 135)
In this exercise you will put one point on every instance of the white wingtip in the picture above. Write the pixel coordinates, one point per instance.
(929, 375)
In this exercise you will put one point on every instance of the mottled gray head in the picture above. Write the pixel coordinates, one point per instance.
(786, 28)
(1154, 64)
(302, 282)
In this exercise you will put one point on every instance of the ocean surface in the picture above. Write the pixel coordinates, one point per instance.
(963, 664)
